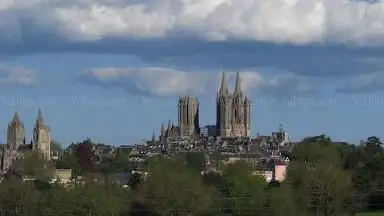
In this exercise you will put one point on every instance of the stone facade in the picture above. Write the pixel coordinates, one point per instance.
(233, 111)
(42, 137)
(188, 110)
(233, 115)
(16, 146)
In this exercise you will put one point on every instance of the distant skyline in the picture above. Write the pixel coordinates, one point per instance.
(113, 70)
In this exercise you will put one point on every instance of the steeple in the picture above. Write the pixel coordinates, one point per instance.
(40, 119)
(162, 130)
(16, 118)
(169, 127)
(223, 86)
(238, 84)
(153, 136)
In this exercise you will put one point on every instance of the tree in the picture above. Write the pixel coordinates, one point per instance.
(34, 165)
(91, 199)
(316, 149)
(195, 161)
(121, 163)
(19, 199)
(281, 201)
(85, 156)
(174, 190)
(67, 160)
(244, 191)
(321, 188)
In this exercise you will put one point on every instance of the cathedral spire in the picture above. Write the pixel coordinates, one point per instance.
(16, 118)
(162, 130)
(40, 117)
(223, 86)
(169, 126)
(237, 84)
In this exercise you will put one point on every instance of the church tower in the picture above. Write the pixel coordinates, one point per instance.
(238, 110)
(188, 119)
(233, 111)
(223, 109)
(42, 137)
(15, 133)
(15, 139)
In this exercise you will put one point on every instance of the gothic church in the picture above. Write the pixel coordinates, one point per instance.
(16, 146)
(233, 111)
(233, 114)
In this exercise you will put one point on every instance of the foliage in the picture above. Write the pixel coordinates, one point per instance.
(281, 201)
(323, 178)
(35, 165)
(244, 191)
(174, 190)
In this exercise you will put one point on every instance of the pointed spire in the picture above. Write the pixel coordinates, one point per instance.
(40, 117)
(223, 86)
(238, 83)
(16, 118)
(162, 130)
(153, 136)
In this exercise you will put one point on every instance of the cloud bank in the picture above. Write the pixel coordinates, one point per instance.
(277, 21)
(166, 82)
(17, 76)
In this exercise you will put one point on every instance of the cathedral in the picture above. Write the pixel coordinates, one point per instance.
(233, 114)
(15, 145)
(233, 111)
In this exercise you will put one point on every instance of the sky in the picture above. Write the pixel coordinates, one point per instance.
(112, 70)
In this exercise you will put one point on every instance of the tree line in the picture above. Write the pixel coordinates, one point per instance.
(324, 178)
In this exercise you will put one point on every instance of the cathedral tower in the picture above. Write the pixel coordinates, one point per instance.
(15, 133)
(42, 137)
(15, 139)
(223, 109)
(233, 111)
(188, 119)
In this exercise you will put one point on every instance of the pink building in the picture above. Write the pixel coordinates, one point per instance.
(278, 173)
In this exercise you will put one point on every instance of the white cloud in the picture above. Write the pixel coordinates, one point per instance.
(17, 76)
(164, 82)
(365, 83)
(282, 21)
(152, 81)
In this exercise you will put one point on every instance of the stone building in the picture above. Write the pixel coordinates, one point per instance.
(15, 140)
(15, 133)
(188, 119)
(233, 111)
(42, 137)
(172, 131)
(16, 146)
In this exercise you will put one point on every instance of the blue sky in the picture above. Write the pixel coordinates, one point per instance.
(112, 70)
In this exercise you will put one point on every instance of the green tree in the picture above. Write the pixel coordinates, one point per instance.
(281, 201)
(244, 191)
(91, 199)
(19, 199)
(67, 160)
(172, 189)
(121, 163)
(34, 165)
(316, 149)
(321, 188)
